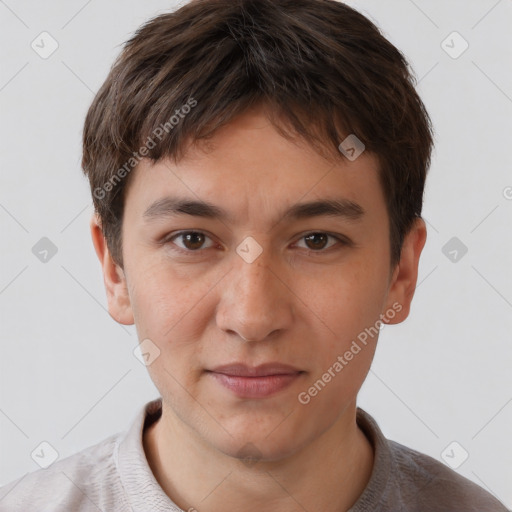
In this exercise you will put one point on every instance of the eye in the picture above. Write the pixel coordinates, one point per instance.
(195, 241)
(318, 241)
(190, 240)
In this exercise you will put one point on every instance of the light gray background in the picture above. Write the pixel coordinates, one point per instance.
(67, 372)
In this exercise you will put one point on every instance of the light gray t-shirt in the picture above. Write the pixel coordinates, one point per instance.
(114, 476)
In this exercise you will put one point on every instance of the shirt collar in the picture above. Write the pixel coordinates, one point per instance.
(143, 491)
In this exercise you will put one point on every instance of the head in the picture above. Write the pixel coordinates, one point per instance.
(240, 107)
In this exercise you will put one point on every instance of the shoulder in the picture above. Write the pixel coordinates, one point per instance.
(433, 486)
(405, 480)
(84, 482)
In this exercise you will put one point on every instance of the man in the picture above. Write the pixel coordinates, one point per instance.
(257, 169)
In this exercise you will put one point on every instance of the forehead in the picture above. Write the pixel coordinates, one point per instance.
(249, 168)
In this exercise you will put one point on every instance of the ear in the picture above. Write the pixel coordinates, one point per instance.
(405, 275)
(119, 306)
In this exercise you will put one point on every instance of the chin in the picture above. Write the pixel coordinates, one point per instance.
(253, 443)
(250, 453)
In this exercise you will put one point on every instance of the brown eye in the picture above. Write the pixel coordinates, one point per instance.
(316, 241)
(193, 240)
(190, 240)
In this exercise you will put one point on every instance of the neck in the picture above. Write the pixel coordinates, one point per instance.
(329, 474)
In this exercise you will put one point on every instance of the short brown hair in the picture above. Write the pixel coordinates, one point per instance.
(318, 67)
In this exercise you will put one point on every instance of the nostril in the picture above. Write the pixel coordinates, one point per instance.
(245, 339)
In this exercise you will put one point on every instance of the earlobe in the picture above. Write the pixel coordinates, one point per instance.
(119, 306)
(405, 275)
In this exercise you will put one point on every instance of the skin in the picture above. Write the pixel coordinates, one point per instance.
(298, 303)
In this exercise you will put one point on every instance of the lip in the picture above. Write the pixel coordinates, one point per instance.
(262, 370)
(255, 381)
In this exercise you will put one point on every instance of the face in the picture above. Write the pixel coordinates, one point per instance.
(258, 299)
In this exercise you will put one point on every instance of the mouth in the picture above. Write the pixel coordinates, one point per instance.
(255, 381)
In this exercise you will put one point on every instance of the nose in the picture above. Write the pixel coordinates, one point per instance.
(255, 300)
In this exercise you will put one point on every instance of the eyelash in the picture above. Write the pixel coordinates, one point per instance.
(341, 241)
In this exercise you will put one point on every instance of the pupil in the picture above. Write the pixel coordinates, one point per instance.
(193, 240)
(315, 238)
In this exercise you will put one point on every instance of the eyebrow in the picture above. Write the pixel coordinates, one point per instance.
(173, 206)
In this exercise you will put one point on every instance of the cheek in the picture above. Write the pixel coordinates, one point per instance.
(167, 304)
(349, 301)
(173, 311)
(347, 309)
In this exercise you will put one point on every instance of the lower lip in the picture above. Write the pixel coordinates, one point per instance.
(256, 387)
